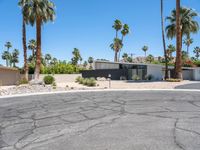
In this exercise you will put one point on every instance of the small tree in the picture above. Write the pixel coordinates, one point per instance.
(85, 64)
(150, 58)
(76, 57)
(197, 52)
(90, 61)
(47, 58)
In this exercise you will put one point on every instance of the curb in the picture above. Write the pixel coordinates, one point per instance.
(98, 90)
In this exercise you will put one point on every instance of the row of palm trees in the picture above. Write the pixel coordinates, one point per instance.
(181, 24)
(35, 12)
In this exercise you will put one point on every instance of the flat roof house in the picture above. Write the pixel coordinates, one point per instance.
(126, 71)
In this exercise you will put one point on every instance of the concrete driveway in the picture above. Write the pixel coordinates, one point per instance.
(119, 120)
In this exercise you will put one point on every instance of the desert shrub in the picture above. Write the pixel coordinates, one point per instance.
(173, 80)
(22, 81)
(135, 78)
(78, 79)
(86, 81)
(149, 77)
(49, 79)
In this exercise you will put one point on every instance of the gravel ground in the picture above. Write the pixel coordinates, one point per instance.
(27, 89)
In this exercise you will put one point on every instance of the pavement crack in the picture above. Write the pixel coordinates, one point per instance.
(178, 144)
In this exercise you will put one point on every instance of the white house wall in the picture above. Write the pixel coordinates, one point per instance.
(156, 71)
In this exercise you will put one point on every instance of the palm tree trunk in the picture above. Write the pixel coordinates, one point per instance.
(164, 43)
(25, 48)
(38, 51)
(120, 49)
(178, 65)
(115, 59)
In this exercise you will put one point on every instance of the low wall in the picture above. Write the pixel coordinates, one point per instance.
(9, 76)
(62, 78)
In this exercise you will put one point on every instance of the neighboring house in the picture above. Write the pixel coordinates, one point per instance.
(9, 76)
(121, 70)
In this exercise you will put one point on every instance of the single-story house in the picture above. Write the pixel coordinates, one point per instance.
(126, 71)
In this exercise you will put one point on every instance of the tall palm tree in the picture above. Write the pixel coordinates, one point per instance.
(22, 4)
(124, 32)
(6, 56)
(182, 23)
(39, 12)
(188, 41)
(116, 46)
(8, 45)
(145, 49)
(32, 46)
(117, 26)
(15, 57)
(178, 65)
(171, 49)
(164, 42)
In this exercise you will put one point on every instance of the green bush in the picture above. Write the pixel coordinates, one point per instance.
(135, 78)
(196, 63)
(22, 81)
(149, 77)
(49, 79)
(86, 81)
(61, 68)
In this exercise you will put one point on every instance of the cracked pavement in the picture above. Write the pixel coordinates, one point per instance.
(118, 120)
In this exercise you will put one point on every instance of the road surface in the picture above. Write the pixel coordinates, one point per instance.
(118, 120)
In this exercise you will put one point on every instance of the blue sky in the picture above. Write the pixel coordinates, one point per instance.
(87, 25)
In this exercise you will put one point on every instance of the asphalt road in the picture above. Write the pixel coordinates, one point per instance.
(146, 120)
(195, 86)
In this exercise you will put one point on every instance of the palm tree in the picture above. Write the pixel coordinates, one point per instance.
(170, 50)
(117, 26)
(85, 64)
(8, 45)
(32, 46)
(90, 61)
(178, 65)
(145, 49)
(116, 46)
(15, 57)
(197, 52)
(6, 56)
(54, 61)
(188, 41)
(164, 43)
(182, 23)
(39, 12)
(23, 5)
(124, 32)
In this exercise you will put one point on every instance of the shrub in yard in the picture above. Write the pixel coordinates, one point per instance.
(135, 78)
(78, 79)
(149, 77)
(49, 79)
(86, 81)
(173, 80)
(22, 81)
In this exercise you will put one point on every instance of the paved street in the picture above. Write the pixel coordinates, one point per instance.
(126, 120)
(189, 86)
